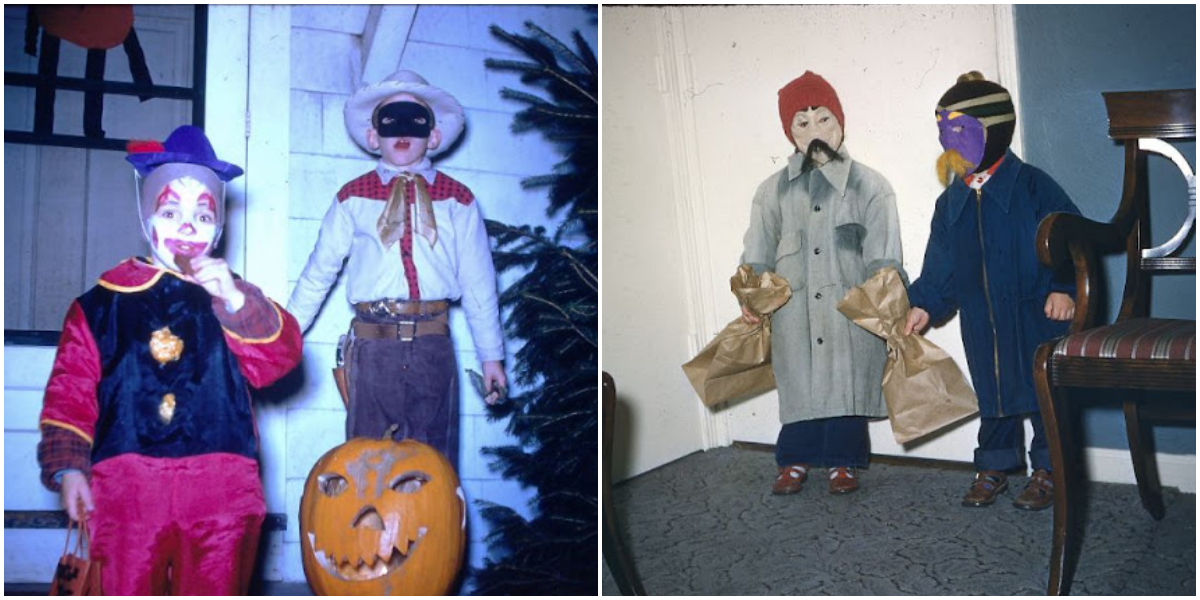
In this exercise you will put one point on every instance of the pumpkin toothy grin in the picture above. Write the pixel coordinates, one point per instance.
(348, 570)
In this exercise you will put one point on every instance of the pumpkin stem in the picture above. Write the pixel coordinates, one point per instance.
(387, 435)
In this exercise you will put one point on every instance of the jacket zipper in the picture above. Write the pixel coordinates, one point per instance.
(987, 295)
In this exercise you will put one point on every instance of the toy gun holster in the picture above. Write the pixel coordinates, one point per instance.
(341, 373)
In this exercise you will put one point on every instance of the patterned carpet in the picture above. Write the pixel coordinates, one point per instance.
(707, 524)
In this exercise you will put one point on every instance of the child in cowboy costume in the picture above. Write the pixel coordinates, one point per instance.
(147, 424)
(981, 261)
(416, 242)
(826, 223)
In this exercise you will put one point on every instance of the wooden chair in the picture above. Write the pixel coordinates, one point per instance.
(615, 554)
(1137, 353)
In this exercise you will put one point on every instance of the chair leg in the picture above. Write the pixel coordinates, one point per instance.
(616, 556)
(1056, 420)
(1145, 465)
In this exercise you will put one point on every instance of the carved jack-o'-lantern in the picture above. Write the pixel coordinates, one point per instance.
(380, 517)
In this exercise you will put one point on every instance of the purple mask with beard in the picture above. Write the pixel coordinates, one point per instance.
(963, 134)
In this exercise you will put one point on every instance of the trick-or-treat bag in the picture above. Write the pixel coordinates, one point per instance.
(737, 363)
(76, 574)
(924, 388)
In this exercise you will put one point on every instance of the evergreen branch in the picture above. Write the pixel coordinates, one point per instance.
(566, 317)
(590, 276)
(512, 94)
(555, 113)
(557, 46)
(558, 75)
(525, 44)
(552, 306)
(585, 52)
(545, 70)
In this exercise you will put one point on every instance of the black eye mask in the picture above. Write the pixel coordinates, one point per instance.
(403, 119)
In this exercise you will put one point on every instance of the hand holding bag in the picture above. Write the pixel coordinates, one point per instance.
(737, 363)
(77, 574)
(923, 387)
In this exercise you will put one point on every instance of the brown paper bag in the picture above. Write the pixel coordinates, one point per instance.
(924, 388)
(737, 363)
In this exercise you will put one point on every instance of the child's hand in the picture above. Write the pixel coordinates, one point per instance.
(214, 276)
(495, 381)
(917, 320)
(76, 494)
(750, 317)
(1060, 307)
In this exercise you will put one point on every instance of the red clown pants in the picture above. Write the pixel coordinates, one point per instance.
(178, 526)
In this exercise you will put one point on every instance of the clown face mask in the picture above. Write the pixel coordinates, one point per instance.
(816, 124)
(963, 138)
(404, 130)
(184, 222)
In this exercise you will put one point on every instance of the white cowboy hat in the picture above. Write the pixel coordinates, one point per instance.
(447, 112)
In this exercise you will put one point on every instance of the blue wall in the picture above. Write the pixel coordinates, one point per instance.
(1067, 56)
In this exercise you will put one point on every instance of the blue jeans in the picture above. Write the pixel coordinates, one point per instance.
(832, 442)
(1002, 444)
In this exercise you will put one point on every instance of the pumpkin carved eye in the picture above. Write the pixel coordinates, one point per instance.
(410, 482)
(332, 484)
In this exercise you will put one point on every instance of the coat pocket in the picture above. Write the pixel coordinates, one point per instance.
(789, 259)
(848, 245)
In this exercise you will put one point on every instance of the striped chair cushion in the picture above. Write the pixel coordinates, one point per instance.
(1136, 339)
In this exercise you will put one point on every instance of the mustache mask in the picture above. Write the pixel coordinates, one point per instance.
(815, 146)
(952, 162)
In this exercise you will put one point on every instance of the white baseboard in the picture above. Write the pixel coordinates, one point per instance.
(1116, 466)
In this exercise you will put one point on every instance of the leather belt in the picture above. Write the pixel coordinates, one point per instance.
(405, 331)
(395, 308)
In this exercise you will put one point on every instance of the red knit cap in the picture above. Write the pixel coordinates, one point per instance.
(804, 91)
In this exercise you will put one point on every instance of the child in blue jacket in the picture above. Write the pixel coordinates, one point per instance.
(981, 260)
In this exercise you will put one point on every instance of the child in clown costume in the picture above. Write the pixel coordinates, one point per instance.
(147, 425)
(981, 261)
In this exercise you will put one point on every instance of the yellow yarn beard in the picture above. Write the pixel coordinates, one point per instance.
(952, 163)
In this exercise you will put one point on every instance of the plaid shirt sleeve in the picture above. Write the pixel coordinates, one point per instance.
(62, 449)
(257, 319)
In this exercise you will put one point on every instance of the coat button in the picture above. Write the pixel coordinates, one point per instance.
(818, 296)
(820, 341)
(817, 208)
(817, 251)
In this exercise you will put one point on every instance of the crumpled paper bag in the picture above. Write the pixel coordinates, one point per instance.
(737, 363)
(923, 387)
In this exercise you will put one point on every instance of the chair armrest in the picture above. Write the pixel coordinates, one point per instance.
(1058, 231)
(1068, 236)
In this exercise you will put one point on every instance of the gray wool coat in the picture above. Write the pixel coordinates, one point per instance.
(825, 231)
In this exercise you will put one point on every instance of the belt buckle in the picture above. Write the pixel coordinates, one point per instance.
(412, 331)
(380, 308)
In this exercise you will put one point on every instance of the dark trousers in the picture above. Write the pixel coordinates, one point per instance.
(1002, 444)
(832, 442)
(412, 384)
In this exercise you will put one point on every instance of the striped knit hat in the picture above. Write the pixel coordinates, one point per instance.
(991, 105)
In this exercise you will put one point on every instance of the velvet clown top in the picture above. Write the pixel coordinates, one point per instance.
(151, 364)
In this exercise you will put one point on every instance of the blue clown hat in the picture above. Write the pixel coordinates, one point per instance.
(187, 144)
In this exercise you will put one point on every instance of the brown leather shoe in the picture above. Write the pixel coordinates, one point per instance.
(842, 480)
(1039, 494)
(987, 485)
(790, 480)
